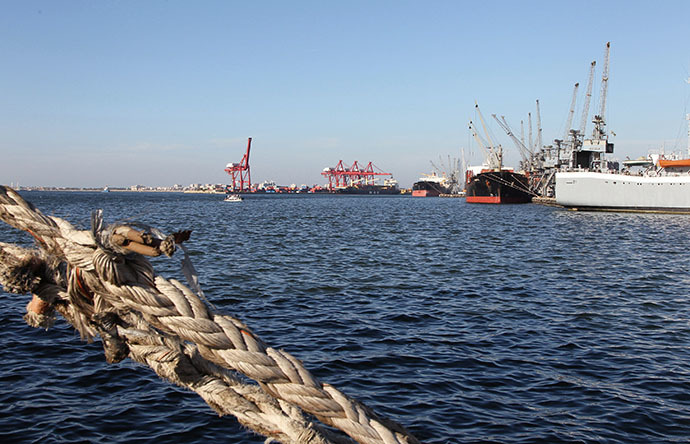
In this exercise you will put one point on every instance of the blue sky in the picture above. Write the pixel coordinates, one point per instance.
(162, 92)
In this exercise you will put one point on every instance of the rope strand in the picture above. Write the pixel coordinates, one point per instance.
(115, 294)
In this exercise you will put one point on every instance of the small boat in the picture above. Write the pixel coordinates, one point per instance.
(233, 198)
(671, 163)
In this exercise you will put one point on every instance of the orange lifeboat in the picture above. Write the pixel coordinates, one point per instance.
(671, 163)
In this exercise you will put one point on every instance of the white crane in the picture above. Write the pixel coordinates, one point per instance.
(539, 140)
(571, 112)
(529, 128)
(605, 80)
(494, 153)
(599, 121)
(588, 96)
(525, 152)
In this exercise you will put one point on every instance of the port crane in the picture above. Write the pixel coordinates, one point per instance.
(588, 97)
(589, 152)
(353, 176)
(494, 153)
(240, 173)
(539, 130)
(598, 121)
(571, 112)
(529, 128)
(526, 154)
(451, 172)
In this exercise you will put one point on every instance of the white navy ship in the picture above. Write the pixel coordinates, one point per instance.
(662, 186)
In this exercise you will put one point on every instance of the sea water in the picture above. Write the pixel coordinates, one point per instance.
(464, 323)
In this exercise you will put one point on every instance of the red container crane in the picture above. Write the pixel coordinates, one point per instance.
(241, 176)
(354, 176)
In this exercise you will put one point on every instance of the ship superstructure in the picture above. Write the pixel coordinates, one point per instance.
(657, 183)
(574, 151)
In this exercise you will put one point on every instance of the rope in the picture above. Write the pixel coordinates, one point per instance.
(104, 286)
(500, 180)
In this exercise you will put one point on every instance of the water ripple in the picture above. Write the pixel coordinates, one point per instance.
(466, 323)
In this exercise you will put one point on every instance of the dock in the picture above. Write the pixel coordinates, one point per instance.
(548, 201)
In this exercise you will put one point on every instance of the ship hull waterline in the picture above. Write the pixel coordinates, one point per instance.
(504, 187)
(425, 193)
(593, 191)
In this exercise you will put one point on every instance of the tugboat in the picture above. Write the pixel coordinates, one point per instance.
(491, 182)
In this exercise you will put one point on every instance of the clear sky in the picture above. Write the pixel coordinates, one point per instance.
(152, 92)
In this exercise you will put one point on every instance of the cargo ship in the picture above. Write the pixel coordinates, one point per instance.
(496, 186)
(491, 182)
(431, 185)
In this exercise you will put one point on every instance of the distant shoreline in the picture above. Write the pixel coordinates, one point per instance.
(117, 190)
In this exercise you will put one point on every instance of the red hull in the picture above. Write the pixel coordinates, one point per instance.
(497, 187)
(425, 193)
(493, 199)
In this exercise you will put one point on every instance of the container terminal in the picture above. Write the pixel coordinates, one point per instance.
(342, 179)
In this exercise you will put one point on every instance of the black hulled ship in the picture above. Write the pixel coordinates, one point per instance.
(491, 182)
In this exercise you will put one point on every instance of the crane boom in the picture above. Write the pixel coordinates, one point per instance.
(480, 142)
(571, 112)
(605, 80)
(539, 141)
(525, 153)
(481, 119)
(493, 156)
(588, 96)
(245, 159)
(529, 129)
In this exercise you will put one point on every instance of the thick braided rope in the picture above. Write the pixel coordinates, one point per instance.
(223, 340)
(173, 360)
(226, 341)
